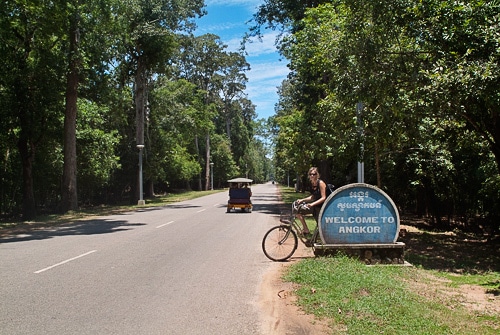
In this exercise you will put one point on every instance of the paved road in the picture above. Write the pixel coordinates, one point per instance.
(187, 268)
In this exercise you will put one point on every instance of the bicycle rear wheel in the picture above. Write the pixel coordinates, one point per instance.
(279, 243)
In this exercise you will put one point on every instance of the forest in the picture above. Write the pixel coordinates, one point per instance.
(411, 88)
(88, 89)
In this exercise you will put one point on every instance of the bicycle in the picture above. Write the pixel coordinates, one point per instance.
(280, 242)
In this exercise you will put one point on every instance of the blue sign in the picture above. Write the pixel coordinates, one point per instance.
(358, 214)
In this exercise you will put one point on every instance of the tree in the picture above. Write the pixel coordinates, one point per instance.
(204, 62)
(31, 81)
(463, 59)
(178, 111)
(224, 166)
(69, 194)
(231, 83)
(96, 144)
(200, 61)
(421, 70)
(149, 40)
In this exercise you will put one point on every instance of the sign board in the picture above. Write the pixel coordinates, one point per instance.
(358, 214)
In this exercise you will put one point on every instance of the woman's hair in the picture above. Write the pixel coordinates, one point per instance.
(313, 169)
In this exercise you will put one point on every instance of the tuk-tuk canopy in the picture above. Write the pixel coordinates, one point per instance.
(240, 180)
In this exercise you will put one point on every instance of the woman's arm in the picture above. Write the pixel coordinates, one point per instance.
(309, 198)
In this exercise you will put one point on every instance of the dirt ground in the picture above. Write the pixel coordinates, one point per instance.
(445, 251)
(456, 253)
(281, 316)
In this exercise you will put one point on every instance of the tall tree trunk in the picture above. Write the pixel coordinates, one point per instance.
(228, 128)
(377, 165)
(140, 104)
(207, 164)
(197, 145)
(324, 171)
(27, 152)
(69, 196)
(228, 121)
(26, 143)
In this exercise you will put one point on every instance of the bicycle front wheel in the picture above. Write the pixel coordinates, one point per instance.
(279, 243)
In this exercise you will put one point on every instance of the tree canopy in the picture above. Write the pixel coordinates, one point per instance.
(84, 83)
(408, 87)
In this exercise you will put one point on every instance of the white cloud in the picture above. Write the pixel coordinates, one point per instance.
(263, 82)
(264, 46)
(228, 19)
(214, 28)
(255, 48)
(267, 71)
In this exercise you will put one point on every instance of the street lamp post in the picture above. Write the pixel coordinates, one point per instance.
(141, 201)
(361, 164)
(212, 176)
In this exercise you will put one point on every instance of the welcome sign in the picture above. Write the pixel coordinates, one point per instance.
(359, 214)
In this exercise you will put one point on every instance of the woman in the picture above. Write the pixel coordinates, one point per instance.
(315, 200)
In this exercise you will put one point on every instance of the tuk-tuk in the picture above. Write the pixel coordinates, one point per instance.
(239, 194)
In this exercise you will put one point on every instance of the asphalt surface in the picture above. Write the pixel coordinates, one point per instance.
(186, 268)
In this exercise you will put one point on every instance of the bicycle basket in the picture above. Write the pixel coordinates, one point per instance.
(286, 218)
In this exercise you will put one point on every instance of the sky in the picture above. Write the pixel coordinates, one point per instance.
(229, 20)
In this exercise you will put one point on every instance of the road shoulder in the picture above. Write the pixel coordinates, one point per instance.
(280, 314)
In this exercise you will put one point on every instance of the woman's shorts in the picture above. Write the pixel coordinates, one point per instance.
(304, 210)
(309, 210)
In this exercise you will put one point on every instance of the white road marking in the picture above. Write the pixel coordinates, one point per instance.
(163, 225)
(66, 261)
(201, 210)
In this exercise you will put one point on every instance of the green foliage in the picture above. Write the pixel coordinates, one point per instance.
(32, 87)
(182, 166)
(128, 50)
(427, 76)
(96, 149)
(177, 116)
(224, 165)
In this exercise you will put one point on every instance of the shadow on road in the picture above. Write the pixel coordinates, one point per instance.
(87, 227)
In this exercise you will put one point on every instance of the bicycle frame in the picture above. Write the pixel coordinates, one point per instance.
(291, 220)
(280, 242)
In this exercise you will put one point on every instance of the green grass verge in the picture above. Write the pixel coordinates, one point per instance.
(363, 300)
(357, 299)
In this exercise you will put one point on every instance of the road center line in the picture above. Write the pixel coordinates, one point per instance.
(163, 225)
(201, 210)
(66, 261)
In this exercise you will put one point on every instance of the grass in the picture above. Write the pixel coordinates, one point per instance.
(423, 299)
(379, 300)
